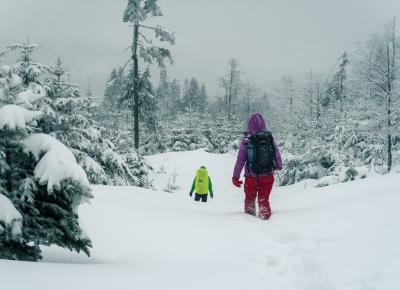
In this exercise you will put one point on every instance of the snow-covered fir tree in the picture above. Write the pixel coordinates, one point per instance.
(39, 175)
(71, 122)
(143, 47)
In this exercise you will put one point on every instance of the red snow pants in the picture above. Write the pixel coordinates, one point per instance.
(260, 187)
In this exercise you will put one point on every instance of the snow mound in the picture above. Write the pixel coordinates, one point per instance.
(58, 162)
(10, 216)
(340, 237)
(16, 117)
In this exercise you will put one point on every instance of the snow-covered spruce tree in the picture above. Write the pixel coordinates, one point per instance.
(152, 133)
(72, 125)
(186, 133)
(194, 96)
(14, 173)
(136, 13)
(203, 99)
(336, 88)
(190, 98)
(21, 82)
(114, 89)
(69, 122)
(175, 97)
(168, 95)
(222, 135)
(162, 93)
(44, 183)
(41, 177)
(120, 128)
(114, 116)
(28, 70)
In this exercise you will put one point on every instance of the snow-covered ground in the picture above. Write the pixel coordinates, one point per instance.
(344, 236)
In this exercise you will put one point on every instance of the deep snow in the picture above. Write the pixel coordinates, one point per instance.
(343, 236)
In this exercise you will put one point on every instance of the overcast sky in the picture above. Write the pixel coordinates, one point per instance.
(268, 37)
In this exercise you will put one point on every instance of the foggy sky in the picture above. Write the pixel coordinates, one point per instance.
(268, 37)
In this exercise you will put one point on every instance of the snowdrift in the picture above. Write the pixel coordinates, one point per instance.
(344, 236)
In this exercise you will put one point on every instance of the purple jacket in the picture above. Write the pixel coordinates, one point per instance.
(256, 124)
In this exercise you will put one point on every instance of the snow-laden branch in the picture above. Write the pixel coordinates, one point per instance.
(163, 34)
(16, 117)
(57, 164)
(10, 216)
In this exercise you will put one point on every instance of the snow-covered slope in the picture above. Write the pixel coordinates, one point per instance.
(340, 237)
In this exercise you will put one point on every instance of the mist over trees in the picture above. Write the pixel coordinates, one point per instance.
(55, 141)
(334, 126)
(341, 124)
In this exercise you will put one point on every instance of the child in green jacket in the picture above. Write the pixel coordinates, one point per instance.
(201, 185)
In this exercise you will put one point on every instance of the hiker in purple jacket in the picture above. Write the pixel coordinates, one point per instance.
(255, 184)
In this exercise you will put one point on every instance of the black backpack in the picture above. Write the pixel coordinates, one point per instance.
(261, 152)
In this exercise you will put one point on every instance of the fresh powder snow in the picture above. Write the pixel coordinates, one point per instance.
(343, 236)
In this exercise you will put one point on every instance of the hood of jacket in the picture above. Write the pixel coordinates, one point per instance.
(256, 124)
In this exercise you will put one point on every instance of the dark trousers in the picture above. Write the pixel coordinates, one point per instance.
(202, 197)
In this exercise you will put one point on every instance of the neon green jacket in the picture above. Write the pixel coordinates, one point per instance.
(209, 186)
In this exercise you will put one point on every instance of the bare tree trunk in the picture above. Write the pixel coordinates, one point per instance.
(235, 95)
(248, 106)
(291, 104)
(136, 84)
(391, 78)
(9, 183)
(341, 94)
(225, 102)
(389, 135)
(318, 107)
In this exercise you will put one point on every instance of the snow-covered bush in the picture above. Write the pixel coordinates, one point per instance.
(222, 135)
(351, 174)
(191, 131)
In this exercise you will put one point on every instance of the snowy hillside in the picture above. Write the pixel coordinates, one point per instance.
(343, 237)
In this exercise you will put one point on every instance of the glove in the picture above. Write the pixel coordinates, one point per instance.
(236, 182)
(212, 195)
(191, 193)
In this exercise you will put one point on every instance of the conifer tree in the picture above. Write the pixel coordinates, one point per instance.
(41, 177)
(202, 99)
(136, 13)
